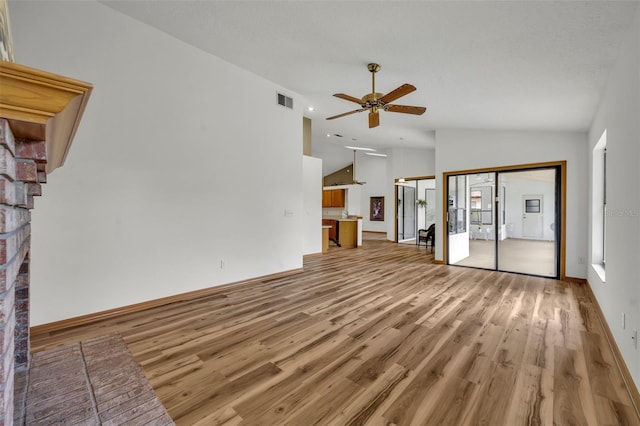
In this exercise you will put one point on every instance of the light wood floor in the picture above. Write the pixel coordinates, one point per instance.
(525, 256)
(378, 335)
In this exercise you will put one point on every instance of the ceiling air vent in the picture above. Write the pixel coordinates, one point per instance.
(285, 101)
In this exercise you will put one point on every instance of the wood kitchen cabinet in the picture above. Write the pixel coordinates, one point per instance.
(348, 233)
(333, 198)
(333, 236)
(343, 232)
(326, 199)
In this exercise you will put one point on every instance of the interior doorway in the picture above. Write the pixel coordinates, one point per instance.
(415, 207)
(406, 214)
(507, 219)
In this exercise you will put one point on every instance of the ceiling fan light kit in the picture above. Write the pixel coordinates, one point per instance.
(375, 101)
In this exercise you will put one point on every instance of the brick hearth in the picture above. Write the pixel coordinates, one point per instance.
(94, 382)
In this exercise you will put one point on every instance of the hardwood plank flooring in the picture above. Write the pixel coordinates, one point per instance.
(377, 335)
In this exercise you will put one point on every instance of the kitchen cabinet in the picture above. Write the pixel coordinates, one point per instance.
(325, 238)
(333, 235)
(333, 198)
(343, 232)
(348, 233)
(326, 199)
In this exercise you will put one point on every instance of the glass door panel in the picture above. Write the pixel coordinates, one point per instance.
(457, 219)
(430, 209)
(406, 212)
(481, 229)
(527, 237)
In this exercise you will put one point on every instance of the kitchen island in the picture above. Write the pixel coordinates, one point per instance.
(345, 232)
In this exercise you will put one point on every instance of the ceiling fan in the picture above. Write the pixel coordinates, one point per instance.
(374, 102)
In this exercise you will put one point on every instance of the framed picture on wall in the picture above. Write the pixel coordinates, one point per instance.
(376, 209)
(6, 44)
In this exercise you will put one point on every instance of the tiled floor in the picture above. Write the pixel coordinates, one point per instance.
(94, 382)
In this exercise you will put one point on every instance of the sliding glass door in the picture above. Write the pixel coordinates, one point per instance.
(415, 207)
(472, 244)
(406, 212)
(505, 220)
(528, 240)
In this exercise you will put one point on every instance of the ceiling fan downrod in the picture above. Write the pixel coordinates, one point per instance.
(374, 68)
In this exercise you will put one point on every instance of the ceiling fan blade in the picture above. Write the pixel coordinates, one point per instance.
(405, 109)
(405, 89)
(347, 113)
(374, 119)
(348, 98)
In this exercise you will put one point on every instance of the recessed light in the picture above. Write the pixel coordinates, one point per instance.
(375, 154)
(311, 108)
(328, 135)
(358, 148)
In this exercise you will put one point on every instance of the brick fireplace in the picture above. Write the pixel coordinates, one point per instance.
(39, 114)
(22, 170)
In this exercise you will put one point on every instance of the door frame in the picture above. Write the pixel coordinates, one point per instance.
(395, 201)
(561, 165)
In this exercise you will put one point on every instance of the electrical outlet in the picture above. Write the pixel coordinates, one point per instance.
(581, 260)
(221, 263)
(624, 321)
(634, 337)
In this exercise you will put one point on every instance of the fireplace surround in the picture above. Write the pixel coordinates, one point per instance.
(39, 115)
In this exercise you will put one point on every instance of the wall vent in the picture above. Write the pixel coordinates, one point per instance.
(285, 101)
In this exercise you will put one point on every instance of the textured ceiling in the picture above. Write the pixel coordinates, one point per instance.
(488, 65)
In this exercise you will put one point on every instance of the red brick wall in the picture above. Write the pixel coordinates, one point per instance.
(22, 165)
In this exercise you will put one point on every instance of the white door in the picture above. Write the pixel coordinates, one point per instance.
(532, 216)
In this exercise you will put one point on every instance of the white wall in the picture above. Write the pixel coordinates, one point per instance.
(182, 161)
(412, 162)
(425, 214)
(353, 197)
(379, 174)
(404, 162)
(373, 170)
(312, 204)
(460, 150)
(618, 114)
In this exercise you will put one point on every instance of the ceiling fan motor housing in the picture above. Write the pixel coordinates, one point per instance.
(371, 101)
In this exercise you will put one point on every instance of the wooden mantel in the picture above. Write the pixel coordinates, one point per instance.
(40, 105)
(39, 115)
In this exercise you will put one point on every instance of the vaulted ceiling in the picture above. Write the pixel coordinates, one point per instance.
(482, 64)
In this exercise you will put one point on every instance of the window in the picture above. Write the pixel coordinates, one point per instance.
(481, 206)
(604, 205)
(476, 207)
(599, 206)
(457, 208)
(532, 206)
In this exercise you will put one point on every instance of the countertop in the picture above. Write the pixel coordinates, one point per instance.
(342, 219)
